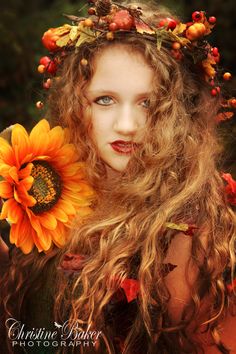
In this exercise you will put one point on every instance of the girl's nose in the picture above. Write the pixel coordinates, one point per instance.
(126, 122)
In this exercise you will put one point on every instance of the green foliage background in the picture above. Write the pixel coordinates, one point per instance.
(21, 28)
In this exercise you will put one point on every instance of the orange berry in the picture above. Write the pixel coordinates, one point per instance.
(227, 76)
(176, 45)
(88, 22)
(84, 62)
(232, 102)
(39, 104)
(41, 68)
(110, 36)
(195, 31)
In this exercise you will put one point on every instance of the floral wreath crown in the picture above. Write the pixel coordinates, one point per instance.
(107, 19)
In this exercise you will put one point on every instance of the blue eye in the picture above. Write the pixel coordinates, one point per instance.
(104, 100)
(145, 103)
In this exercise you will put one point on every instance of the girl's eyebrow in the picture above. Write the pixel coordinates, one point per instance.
(113, 93)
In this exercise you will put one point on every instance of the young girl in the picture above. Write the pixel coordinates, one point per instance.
(147, 268)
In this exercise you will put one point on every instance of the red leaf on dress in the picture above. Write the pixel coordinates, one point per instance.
(230, 188)
(131, 288)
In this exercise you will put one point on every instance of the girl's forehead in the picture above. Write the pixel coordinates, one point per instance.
(117, 66)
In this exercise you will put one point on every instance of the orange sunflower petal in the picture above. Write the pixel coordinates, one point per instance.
(26, 171)
(41, 127)
(37, 242)
(39, 138)
(4, 169)
(74, 169)
(57, 138)
(27, 158)
(4, 211)
(43, 235)
(67, 206)
(67, 154)
(28, 245)
(13, 173)
(15, 212)
(60, 214)
(76, 199)
(59, 235)
(6, 152)
(21, 235)
(26, 199)
(16, 196)
(27, 182)
(48, 220)
(20, 142)
(6, 190)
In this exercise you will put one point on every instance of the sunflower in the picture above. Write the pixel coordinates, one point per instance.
(42, 185)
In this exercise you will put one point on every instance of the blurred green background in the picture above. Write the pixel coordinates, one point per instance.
(23, 23)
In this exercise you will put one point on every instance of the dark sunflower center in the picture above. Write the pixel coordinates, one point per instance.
(46, 188)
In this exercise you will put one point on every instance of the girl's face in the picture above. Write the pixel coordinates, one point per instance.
(118, 95)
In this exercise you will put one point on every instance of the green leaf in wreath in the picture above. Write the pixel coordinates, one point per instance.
(85, 35)
(63, 41)
(74, 33)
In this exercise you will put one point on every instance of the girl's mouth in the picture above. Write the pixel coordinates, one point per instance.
(123, 147)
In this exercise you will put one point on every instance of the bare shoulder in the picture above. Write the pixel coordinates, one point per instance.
(227, 334)
(180, 281)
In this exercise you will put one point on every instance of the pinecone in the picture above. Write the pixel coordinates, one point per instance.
(103, 7)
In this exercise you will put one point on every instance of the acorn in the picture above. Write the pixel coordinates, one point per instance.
(103, 7)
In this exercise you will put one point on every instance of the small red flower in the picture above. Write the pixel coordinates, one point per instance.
(230, 188)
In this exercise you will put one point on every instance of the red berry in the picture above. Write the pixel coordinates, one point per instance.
(212, 20)
(212, 83)
(91, 11)
(215, 51)
(45, 61)
(168, 22)
(123, 20)
(50, 65)
(113, 26)
(215, 91)
(197, 16)
(47, 84)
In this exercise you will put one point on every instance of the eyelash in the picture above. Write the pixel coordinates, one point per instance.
(145, 104)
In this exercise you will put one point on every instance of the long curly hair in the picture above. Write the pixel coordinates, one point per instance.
(174, 176)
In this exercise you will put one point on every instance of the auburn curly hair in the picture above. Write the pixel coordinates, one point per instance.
(173, 176)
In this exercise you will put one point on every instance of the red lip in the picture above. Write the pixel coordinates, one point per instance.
(123, 147)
